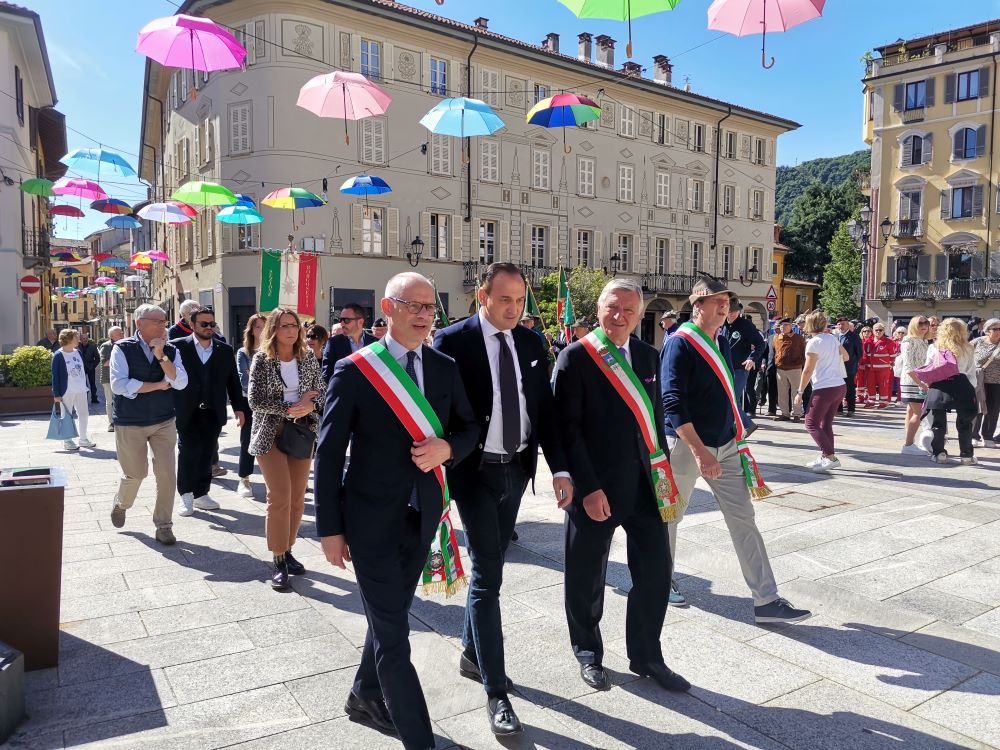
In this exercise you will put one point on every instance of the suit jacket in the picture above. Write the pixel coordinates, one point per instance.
(336, 348)
(603, 442)
(217, 378)
(464, 343)
(369, 502)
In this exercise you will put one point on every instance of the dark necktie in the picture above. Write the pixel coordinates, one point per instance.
(411, 370)
(510, 404)
(624, 352)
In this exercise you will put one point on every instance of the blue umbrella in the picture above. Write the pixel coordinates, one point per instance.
(244, 200)
(462, 117)
(68, 271)
(238, 214)
(96, 158)
(364, 184)
(124, 222)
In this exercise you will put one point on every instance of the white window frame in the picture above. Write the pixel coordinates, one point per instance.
(696, 248)
(661, 133)
(662, 255)
(697, 195)
(440, 155)
(437, 243)
(373, 230)
(541, 91)
(439, 76)
(728, 200)
(661, 193)
(757, 205)
(626, 121)
(586, 171)
(584, 247)
(488, 240)
(489, 168)
(624, 245)
(541, 169)
(626, 183)
(698, 138)
(728, 254)
(759, 153)
(539, 245)
(732, 144)
(371, 49)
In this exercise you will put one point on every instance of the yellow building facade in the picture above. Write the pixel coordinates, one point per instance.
(930, 118)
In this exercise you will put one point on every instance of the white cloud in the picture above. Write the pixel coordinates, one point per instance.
(78, 62)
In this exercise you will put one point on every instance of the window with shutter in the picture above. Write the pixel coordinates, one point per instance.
(540, 92)
(624, 247)
(662, 189)
(662, 255)
(371, 59)
(490, 155)
(439, 76)
(699, 138)
(695, 257)
(626, 183)
(626, 125)
(490, 82)
(585, 176)
(727, 261)
(438, 249)
(759, 147)
(487, 241)
(538, 245)
(584, 243)
(728, 200)
(240, 132)
(967, 86)
(698, 195)
(372, 231)
(440, 154)
(916, 95)
(757, 205)
(660, 133)
(541, 162)
(730, 146)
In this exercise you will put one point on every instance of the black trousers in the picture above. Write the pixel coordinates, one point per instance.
(92, 382)
(246, 460)
(387, 576)
(988, 428)
(750, 393)
(772, 391)
(963, 425)
(195, 444)
(588, 543)
(488, 516)
(852, 393)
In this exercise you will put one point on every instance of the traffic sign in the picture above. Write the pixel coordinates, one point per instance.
(31, 284)
(771, 294)
(770, 305)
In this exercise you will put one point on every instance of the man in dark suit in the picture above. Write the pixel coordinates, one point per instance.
(505, 370)
(352, 337)
(384, 512)
(611, 466)
(851, 341)
(201, 408)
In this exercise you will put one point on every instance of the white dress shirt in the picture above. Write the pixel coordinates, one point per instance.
(494, 433)
(123, 385)
(204, 352)
(398, 352)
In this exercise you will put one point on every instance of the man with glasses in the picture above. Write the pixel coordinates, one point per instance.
(352, 337)
(851, 342)
(144, 371)
(201, 408)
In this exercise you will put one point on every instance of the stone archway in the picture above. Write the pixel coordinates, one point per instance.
(757, 313)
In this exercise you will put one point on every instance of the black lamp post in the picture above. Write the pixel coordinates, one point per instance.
(860, 235)
(752, 275)
(417, 250)
(616, 263)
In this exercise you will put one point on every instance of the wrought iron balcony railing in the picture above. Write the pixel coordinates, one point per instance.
(908, 228)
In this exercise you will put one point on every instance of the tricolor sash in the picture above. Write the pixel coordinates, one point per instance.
(707, 348)
(622, 377)
(443, 571)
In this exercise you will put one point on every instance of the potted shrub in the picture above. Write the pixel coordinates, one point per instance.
(26, 381)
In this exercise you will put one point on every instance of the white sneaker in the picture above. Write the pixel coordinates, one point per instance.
(87, 443)
(187, 504)
(968, 461)
(69, 445)
(989, 444)
(244, 489)
(913, 450)
(940, 458)
(815, 462)
(830, 463)
(924, 440)
(206, 503)
(976, 442)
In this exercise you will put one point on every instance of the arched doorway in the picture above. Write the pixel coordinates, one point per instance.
(758, 314)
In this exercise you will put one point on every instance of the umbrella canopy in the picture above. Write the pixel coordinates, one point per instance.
(38, 186)
(157, 255)
(140, 258)
(63, 255)
(80, 188)
(64, 210)
(743, 17)
(113, 262)
(123, 222)
(239, 215)
(563, 110)
(244, 200)
(462, 117)
(140, 264)
(95, 159)
(101, 256)
(68, 271)
(111, 206)
(164, 213)
(187, 208)
(619, 10)
(72, 295)
(183, 41)
(364, 184)
(204, 194)
(347, 96)
(132, 277)
(292, 198)
(104, 280)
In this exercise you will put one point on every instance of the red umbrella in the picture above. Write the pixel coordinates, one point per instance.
(186, 208)
(64, 210)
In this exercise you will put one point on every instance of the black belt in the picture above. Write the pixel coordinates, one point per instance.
(499, 458)
(206, 407)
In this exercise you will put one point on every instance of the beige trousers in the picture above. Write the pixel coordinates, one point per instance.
(788, 384)
(133, 444)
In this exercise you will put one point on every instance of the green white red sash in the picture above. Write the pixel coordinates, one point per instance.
(707, 348)
(443, 571)
(622, 377)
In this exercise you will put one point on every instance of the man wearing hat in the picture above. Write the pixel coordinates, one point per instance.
(528, 321)
(379, 328)
(789, 359)
(581, 327)
(668, 323)
(746, 346)
(704, 439)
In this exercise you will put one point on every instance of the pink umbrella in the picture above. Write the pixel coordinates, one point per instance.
(104, 280)
(743, 17)
(157, 255)
(80, 188)
(348, 96)
(190, 42)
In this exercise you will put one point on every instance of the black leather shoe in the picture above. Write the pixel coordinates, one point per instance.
(295, 568)
(371, 712)
(664, 677)
(595, 676)
(279, 578)
(467, 667)
(503, 720)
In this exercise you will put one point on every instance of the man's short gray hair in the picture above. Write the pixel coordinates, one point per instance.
(395, 286)
(143, 310)
(116, 329)
(621, 285)
(189, 306)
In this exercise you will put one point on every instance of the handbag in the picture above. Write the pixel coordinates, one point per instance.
(295, 439)
(61, 424)
(943, 367)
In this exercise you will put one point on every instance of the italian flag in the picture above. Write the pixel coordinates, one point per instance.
(440, 315)
(564, 306)
(531, 304)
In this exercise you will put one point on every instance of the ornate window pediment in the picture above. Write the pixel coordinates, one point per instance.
(963, 178)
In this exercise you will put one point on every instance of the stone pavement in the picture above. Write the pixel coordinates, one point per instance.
(189, 647)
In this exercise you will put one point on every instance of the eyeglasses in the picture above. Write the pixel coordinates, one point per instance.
(347, 320)
(288, 326)
(209, 324)
(923, 322)
(415, 308)
(159, 321)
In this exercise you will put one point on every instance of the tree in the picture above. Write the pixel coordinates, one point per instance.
(815, 216)
(585, 285)
(842, 276)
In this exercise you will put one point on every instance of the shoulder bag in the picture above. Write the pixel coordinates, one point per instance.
(295, 438)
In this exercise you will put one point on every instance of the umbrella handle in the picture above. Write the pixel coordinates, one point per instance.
(763, 42)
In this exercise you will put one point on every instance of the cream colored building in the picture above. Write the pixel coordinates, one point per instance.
(930, 117)
(644, 191)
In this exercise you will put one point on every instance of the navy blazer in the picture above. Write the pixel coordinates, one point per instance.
(464, 342)
(368, 503)
(336, 348)
(217, 377)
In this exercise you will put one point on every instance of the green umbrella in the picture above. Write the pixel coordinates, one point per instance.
(38, 186)
(204, 194)
(619, 10)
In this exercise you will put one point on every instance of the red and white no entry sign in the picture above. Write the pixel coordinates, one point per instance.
(30, 284)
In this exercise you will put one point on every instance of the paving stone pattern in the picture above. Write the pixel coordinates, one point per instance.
(188, 647)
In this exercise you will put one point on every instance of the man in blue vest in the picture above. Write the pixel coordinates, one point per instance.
(144, 371)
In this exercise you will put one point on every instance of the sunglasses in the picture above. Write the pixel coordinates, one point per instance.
(209, 324)
(347, 320)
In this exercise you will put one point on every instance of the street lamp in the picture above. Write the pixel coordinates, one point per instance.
(417, 248)
(752, 275)
(616, 264)
(860, 236)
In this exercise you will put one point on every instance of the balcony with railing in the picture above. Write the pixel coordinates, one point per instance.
(916, 114)
(472, 272)
(905, 228)
(667, 283)
(35, 244)
(942, 289)
(893, 290)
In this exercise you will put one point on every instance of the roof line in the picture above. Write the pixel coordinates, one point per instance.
(17, 10)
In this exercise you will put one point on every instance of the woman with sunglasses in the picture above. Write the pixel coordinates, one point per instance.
(316, 338)
(912, 354)
(251, 343)
(286, 386)
(987, 354)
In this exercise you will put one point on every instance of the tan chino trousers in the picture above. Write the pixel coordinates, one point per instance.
(133, 443)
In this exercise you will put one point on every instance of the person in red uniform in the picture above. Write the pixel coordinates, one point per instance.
(861, 377)
(879, 355)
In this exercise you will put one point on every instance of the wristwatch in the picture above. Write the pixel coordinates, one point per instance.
(164, 358)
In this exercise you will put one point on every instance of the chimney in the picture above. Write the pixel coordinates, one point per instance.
(631, 68)
(586, 48)
(482, 23)
(551, 42)
(605, 51)
(663, 71)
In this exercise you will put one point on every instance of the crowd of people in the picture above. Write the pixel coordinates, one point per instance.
(394, 423)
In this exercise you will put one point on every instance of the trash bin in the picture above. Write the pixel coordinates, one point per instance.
(11, 690)
(31, 527)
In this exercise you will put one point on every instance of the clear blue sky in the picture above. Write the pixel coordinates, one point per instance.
(816, 80)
